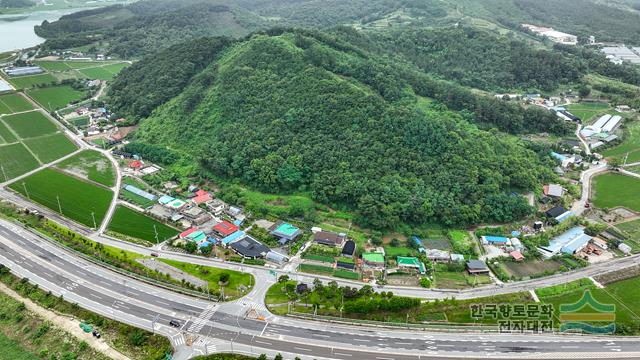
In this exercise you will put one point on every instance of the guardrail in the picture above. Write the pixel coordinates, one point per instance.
(118, 270)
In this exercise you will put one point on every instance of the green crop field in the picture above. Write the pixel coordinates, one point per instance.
(91, 165)
(30, 124)
(80, 121)
(83, 64)
(98, 73)
(392, 252)
(630, 145)
(115, 68)
(6, 135)
(12, 350)
(78, 199)
(53, 65)
(15, 160)
(586, 111)
(315, 269)
(132, 223)
(613, 190)
(56, 97)
(50, 147)
(14, 103)
(23, 82)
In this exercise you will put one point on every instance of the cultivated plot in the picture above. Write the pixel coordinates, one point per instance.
(13, 103)
(23, 82)
(75, 199)
(612, 190)
(90, 165)
(15, 160)
(630, 147)
(56, 97)
(6, 136)
(131, 223)
(50, 147)
(29, 124)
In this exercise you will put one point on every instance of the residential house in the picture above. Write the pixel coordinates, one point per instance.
(553, 190)
(277, 257)
(225, 229)
(569, 242)
(494, 240)
(201, 197)
(329, 238)
(373, 259)
(216, 206)
(196, 215)
(437, 255)
(516, 255)
(558, 213)
(411, 263)
(285, 231)
(476, 267)
(250, 248)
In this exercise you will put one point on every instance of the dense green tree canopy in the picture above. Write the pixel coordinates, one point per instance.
(275, 115)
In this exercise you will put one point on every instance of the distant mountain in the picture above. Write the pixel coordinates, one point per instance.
(148, 26)
(310, 111)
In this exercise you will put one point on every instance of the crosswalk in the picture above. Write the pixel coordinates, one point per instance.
(178, 340)
(202, 319)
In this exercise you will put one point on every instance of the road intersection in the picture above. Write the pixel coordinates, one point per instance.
(223, 325)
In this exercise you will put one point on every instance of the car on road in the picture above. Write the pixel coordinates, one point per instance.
(587, 205)
(155, 254)
(174, 323)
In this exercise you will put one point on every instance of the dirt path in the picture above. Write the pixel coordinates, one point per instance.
(67, 324)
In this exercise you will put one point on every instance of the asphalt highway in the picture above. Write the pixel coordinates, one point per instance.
(143, 305)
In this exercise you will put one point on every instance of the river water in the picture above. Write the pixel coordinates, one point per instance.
(19, 34)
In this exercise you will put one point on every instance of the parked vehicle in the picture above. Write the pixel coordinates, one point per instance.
(96, 333)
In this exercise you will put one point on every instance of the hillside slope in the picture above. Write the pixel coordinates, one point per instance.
(270, 112)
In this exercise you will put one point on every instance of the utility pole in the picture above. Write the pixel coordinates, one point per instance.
(24, 185)
(93, 215)
(59, 206)
(153, 323)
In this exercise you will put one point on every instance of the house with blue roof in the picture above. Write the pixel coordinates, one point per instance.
(233, 237)
(494, 240)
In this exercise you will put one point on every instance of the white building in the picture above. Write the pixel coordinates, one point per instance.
(553, 35)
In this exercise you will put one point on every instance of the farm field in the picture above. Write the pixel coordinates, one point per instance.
(633, 229)
(56, 97)
(623, 294)
(90, 165)
(392, 252)
(30, 124)
(212, 276)
(530, 268)
(587, 111)
(23, 82)
(611, 190)
(459, 280)
(6, 136)
(50, 147)
(12, 103)
(131, 223)
(16, 160)
(630, 144)
(78, 199)
(99, 73)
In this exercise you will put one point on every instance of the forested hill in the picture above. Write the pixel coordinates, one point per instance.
(308, 111)
(148, 26)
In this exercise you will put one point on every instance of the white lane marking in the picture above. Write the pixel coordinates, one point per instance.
(303, 349)
(341, 354)
(263, 342)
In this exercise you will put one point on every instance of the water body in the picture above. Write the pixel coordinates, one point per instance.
(19, 34)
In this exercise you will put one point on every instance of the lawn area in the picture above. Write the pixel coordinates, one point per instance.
(81, 121)
(98, 73)
(12, 350)
(50, 147)
(630, 144)
(23, 82)
(613, 190)
(15, 160)
(633, 229)
(53, 65)
(91, 165)
(461, 242)
(315, 269)
(129, 222)
(459, 280)
(587, 110)
(6, 136)
(320, 258)
(115, 68)
(212, 275)
(30, 124)
(14, 103)
(56, 97)
(78, 199)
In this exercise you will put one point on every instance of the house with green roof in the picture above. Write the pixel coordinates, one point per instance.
(285, 231)
(411, 263)
(373, 259)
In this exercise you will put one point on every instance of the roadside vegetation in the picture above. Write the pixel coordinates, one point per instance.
(48, 342)
(27, 336)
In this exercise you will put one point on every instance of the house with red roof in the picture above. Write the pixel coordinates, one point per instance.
(187, 232)
(201, 197)
(225, 228)
(517, 255)
(135, 164)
